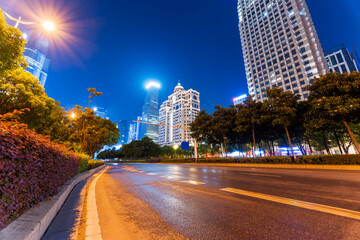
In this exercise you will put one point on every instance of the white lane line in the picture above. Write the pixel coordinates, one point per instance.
(297, 203)
(193, 182)
(168, 177)
(93, 230)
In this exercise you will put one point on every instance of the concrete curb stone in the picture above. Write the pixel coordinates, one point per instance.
(33, 223)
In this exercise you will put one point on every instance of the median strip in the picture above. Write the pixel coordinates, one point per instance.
(297, 203)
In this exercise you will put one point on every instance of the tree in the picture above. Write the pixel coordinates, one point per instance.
(337, 95)
(248, 118)
(144, 148)
(19, 90)
(200, 127)
(223, 123)
(93, 93)
(282, 108)
(11, 47)
(92, 132)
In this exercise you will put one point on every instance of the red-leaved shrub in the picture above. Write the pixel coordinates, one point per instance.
(31, 169)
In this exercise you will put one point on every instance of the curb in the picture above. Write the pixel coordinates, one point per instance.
(33, 223)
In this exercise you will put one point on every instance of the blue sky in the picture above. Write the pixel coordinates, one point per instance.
(116, 45)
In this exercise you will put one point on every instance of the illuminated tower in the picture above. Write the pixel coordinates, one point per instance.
(150, 112)
(280, 46)
(180, 109)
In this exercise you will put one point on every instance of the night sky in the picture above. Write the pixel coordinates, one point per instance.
(116, 45)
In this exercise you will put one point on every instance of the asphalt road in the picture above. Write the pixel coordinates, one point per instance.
(165, 201)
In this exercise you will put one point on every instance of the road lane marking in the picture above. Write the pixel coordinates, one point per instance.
(297, 203)
(168, 177)
(264, 175)
(193, 182)
(93, 230)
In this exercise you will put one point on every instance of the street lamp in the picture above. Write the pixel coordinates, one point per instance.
(48, 25)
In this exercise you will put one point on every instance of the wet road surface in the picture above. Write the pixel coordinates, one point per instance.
(166, 201)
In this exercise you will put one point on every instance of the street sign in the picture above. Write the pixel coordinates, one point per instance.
(185, 146)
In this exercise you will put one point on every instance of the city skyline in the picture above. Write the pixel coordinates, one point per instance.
(164, 49)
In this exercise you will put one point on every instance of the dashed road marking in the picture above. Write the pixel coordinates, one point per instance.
(297, 203)
(193, 182)
(168, 177)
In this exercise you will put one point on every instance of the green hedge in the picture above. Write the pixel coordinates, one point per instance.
(317, 159)
(87, 164)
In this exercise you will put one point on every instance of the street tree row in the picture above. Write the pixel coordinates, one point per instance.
(329, 118)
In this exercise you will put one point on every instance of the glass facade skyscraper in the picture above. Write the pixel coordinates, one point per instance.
(280, 46)
(150, 112)
(340, 60)
(38, 64)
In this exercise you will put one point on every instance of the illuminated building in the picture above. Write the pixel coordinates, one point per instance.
(240, 99)
(280, 46)
(340, 60)
(101, 112)
(180, 109)
(131, 133)
(38, 64)
(150, 112)
(123, 130)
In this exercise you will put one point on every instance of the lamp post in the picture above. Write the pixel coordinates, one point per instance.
(47, 25)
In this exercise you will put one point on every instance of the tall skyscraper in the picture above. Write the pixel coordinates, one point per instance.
(180, 109)
(38, 64)
(131, 133)
(340, 60)
(280, 46)
(124, 130)
(150, 112)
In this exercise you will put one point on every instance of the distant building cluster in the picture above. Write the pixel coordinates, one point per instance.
(179, 110)
(281, 47)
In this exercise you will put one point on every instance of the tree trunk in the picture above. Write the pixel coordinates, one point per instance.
(325, 143)
(271, 153)
(253, 134)
(303, 152)
(351, 135)
(225, 146)
(308, 141)
(273, 147)
(338, 142)
(205, 149)
(288, 135)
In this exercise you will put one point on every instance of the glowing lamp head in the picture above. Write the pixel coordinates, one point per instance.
(49, 26)
(152, 84)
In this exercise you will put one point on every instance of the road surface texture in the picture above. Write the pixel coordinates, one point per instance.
(167, 201)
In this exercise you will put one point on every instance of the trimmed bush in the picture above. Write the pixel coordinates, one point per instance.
(87, 164)
(31, 169)
(317, 159)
